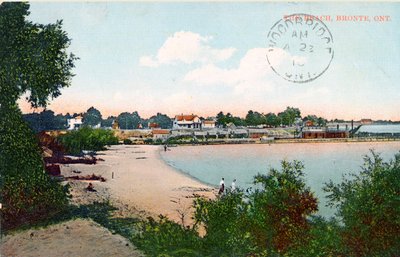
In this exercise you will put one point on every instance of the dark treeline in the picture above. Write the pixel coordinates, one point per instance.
(48, 120)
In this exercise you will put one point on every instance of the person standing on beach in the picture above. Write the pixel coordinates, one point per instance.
(221, 186)
(165, 148)
(233, 186)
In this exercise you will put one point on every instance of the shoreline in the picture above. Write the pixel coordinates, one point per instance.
(145, 182)
(249, 141)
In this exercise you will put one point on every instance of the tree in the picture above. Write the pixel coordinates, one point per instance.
(128, 120)
(224, 220)
(92, 117)
(108, 122)
(272, 120)
(33, 57)
(162, 120)
(45, 120)
(221, 119)
(34, 60)
(368, 205)
(278, 216)
(289, 115)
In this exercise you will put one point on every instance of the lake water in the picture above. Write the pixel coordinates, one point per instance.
(323, 162)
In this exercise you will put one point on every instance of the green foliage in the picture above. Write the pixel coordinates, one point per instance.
(273, 120)
(324, 239)
(127, 141)
(108, 122)
(33, 57)
(369, 206)
(167, 238)
(225, 222)
(289, 115)
(317, 121)
(255, 118)
(223, 119)
(279, 211)
(87, 138)
(92, 117)
(45, 120)
(128, 120)
(162, 120)
(28, 194)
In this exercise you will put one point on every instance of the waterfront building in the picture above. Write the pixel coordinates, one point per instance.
(208, 124)
(75, 123)
(187, 122)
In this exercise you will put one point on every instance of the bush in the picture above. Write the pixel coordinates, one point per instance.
(28, 194)
(167, 238)
(88, 139)
(224, 220)
(127, 141)
(278, 216)
(369, 207)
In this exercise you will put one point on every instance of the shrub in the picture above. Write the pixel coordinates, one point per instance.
(127, 141)
(278, 215)
(87, 138)
(227, 233)
(167, 238)
(369, 207)
(28, 194)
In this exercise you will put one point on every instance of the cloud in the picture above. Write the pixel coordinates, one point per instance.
(187, 47)
(252, 71)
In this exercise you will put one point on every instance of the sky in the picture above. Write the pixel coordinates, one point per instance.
(207, 57)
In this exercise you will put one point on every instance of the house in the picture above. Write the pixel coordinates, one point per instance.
(162, 134)
(74, 123)
(208, 124)
(186, 122)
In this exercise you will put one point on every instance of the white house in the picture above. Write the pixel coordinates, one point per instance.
(186, 122)
(208, 124)
(74, 123)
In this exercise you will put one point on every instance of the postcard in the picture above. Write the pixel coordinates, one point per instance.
(200, 128)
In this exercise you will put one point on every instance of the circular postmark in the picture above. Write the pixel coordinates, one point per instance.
(300, 48)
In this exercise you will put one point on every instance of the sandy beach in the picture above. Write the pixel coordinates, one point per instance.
(138, 182)
(144, 182)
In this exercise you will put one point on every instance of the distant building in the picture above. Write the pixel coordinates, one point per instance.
(366, 121)
(162, 134)
(115, 124)
(186, 122)
(309, 123)
(258, 133)
(153, 125)
(324, 133)
(208, 124)
(75, 123)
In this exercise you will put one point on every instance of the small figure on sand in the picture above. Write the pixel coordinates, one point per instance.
(233, 186)
(165, 148)
(221, 186)
(90, 188)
